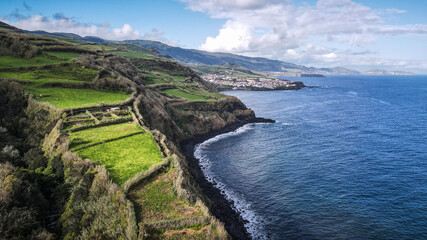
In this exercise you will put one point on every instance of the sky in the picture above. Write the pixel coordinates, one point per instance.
(358, 34)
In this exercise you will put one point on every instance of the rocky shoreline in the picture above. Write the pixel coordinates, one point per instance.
(220, 207)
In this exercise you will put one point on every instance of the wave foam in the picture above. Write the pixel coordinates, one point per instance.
(253, 221)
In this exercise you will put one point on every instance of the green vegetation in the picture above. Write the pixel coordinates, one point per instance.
(72, 98)
(218, 95)
(124, 157)
(6, 61)
(59, 74)
(133, 54)
(60, 171)
(151, 79)
(179, 78)
(101, 134)
(70, 40)
(178, 93)
(64, 55)
(156, 200)
(98, 47)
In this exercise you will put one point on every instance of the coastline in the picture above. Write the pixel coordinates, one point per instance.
(220, 207)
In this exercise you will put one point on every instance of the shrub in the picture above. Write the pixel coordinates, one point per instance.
(13, 46)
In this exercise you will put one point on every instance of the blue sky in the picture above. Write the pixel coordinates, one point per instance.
(359, 34)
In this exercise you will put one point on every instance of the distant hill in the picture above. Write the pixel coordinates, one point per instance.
(385, 72)
(69, 35)
(191, 56)
(194, 58)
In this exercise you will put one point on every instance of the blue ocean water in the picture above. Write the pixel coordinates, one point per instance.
(345, 161)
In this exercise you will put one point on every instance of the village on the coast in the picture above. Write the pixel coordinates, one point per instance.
(249, 82)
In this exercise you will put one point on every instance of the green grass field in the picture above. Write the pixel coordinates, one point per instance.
(179, 78)
(72, 98)
(134, 54)
(123, 158)
(151, 79)
(64, 55)
(60, 74)
(6, 61)
(218, 95)
(156, 201)
(181, 94)
(98, 47)
(93, 135)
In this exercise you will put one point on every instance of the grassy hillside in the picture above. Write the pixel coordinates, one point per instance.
(73, 98)
(123, 148)
(77, 137)
(182, 94)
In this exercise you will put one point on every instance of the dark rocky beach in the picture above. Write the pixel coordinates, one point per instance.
(219, 205)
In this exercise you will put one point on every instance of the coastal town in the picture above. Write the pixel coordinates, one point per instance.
(243, 83)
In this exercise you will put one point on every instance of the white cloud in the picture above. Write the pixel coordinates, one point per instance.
(393, 11)
(214, 6)
(61, 23)
(158, 35)
(233, 37)
(271, 28)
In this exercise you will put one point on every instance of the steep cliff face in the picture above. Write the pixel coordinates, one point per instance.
(167, 100)
(202, 117)
(182, 120)
(173, 68)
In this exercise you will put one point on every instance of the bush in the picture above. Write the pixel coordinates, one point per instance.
(13, 46)
(17, 223)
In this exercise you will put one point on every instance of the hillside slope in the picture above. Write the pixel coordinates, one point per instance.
(198, 57)
(75, 118)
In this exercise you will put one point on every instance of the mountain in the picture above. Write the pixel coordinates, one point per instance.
(70, 36)
(339, 71)
(192, 58)
(385, 72)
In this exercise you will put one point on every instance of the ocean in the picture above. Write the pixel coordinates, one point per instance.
(346, 160)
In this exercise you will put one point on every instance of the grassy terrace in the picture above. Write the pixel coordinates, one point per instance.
(179, 78)
(58, 96)
(133, 54)
(64, 55)
(6, 61)
(98, 47)
(157, 201)
(73, 98)
(151, 79)
(60, 74)
(218, 95)
(181, 94)
(124, 157)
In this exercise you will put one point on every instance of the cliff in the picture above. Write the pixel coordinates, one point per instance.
(153, 99)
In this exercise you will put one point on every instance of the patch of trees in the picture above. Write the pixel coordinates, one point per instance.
(29, 182)
(15, 46)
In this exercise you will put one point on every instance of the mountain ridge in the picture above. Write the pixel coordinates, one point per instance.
(198, 57)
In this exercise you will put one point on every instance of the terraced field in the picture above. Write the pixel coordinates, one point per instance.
(73, 97)
(40, 82)
(11, 62)
(178, 93)
(58, 74)
(64, 55)
(152, 79)
(164, 215)
(123, 148)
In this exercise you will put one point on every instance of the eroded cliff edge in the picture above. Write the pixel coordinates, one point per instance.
(186, 124)
(166, 101)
